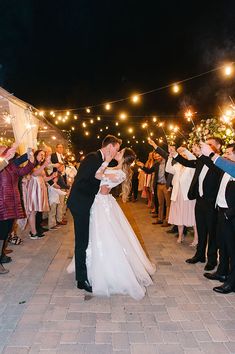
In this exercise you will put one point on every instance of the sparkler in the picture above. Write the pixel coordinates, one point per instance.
(189, 115)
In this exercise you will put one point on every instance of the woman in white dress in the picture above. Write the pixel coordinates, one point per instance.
(116, 262)
(182, 210)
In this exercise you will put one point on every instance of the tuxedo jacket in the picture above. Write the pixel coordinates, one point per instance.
(54, 157)
(211, 181)
(85, 185)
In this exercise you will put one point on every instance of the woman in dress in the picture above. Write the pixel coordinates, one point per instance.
(116, 262)
(36, 194)
(148, 180)
(182, 209)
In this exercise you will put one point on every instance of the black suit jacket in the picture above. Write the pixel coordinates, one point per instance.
(230, 199)
(54, 158)
(211, 181)
(85, 185)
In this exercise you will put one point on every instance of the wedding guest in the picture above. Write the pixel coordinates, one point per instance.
(10, 202)
(37, 195)
(135, 182)
(148, 181)
(58, 155)
(226, 226)
(160, 187)
(54, 192)
(182, 210)
(204, 188)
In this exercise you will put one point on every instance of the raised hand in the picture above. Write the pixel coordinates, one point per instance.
(47, 160)
(152, 143)
(10, 153)
(205, 149)
(171, 150)
(181, 149)
(138, 163)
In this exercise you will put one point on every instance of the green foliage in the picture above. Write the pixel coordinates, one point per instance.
(211, 127)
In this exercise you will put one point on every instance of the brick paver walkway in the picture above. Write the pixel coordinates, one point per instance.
(43, 312)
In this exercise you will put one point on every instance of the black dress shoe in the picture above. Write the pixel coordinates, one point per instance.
(84, 285)
(5, 259)
(210, 266)
(195, 259)
(224, 289)
(215, 276)
(172, 231)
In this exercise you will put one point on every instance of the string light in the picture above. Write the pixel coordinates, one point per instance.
(123, 116)
(98, 118)
(91, 121)
(86, 133)
(67, 113)
(88, 110)
(84, 125)
(154, 119)
(176, 88)
(130, 130)
(75, 117)
(73, 128)
(135, 98)
(228, 70)
(117, 124)
(108, 106)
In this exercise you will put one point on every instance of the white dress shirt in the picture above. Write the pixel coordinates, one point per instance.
(221, 200)
(60, 157)
(201, 179)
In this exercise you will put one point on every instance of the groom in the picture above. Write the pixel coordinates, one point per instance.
(81, 198)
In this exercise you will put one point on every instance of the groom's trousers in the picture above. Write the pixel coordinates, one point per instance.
(81, 229)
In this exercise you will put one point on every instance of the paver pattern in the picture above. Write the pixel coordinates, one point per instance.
(42, 311)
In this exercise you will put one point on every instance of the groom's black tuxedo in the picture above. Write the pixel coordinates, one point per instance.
(81, 198)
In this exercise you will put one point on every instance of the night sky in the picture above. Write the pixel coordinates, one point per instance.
(62, 54)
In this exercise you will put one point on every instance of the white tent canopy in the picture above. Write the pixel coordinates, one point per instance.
(18, 122)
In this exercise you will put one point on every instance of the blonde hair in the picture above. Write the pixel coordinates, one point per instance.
(128, 157)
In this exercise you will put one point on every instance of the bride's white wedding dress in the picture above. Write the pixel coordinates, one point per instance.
(116, 262)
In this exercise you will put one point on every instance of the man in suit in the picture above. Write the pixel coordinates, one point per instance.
(161, 193)
(204, 189)
(58, 155)
(226, 226)
(81, 198)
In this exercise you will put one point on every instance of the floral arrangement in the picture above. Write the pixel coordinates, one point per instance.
(212, 127)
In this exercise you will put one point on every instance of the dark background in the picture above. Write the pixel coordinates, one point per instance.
(68, 54)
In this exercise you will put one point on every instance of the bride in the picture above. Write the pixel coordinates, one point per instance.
(116, 262)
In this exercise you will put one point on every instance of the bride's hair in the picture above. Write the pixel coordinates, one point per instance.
(128, 157)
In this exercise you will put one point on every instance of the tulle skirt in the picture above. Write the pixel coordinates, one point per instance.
(182, 212)
(116, 262)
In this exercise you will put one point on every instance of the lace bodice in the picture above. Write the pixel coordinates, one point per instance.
(120, 177)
